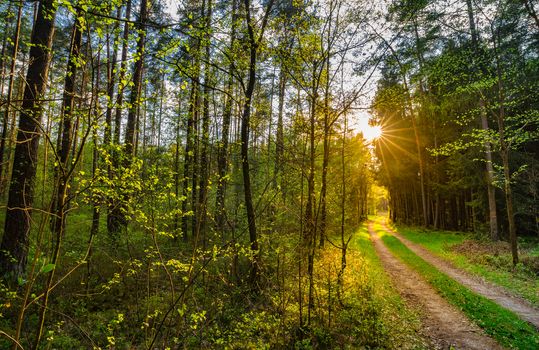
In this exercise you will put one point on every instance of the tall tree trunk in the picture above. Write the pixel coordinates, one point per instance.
(136, 91)
(310, 234)
(177, 169)
(21, 191)
(344, 243)
(327, 129)
(96, 208)
(7, 25)
(279, 138)
(489, 170)
(203, 184)
(504, 153)
(111, 81)
(222, 151)
(245, 120)
(188, 161)
(421, 161)
(114, 217)
(130, 140)
(68, 107)
(5, 119)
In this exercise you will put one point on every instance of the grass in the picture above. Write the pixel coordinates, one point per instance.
(496, 269)
(400, 325)
(503, 325)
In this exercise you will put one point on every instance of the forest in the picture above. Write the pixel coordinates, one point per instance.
(269, 174)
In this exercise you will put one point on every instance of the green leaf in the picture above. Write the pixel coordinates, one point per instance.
(48, 268)
(21, 281)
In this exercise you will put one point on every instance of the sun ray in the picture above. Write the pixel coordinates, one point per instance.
(409, 154)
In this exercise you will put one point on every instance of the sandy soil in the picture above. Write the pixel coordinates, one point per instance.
(447, 327)
(499, 295)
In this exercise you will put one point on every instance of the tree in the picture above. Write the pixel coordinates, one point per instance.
(14, 248)
(114, 217)
(254, 42)
(493, 220)
(5, 119)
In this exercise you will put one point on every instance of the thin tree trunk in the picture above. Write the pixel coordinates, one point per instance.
(245, 120)
(504, 152)
(188, 161)
(6, 30)
(96, 208)
(111, 75)
(203, 184)
(327, 129)
(114, 217)
(65, 141)
(177, 170)
(279, 139)
(344, 244)
(190, 168)
(309, 208)
(130, 140)
(491, 193)
(5, 119)
(222, 151)
(136, 92)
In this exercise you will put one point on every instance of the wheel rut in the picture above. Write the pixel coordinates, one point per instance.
(447, 327)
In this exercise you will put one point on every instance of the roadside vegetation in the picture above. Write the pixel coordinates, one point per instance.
(397, 326)
(490, 260)
(503, 325)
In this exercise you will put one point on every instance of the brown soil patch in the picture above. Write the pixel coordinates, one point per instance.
(447, 327)
(499, 295)
(495, 254)
(474, 248)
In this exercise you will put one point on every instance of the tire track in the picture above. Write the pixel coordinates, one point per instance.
(446, 326)
(479, 286)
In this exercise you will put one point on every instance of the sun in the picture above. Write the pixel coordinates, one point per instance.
(371, 132)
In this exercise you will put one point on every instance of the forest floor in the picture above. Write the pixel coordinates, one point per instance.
(499, 295)
(446, 326)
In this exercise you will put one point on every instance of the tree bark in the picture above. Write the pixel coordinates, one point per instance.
(14, 247)
(504, 153)
(489, 170)
(130, 140)
(68, 106)
(203, 184)
(279, 139)
(9, 97)
(310, 234)
(114, 223)
(245, 120)
(222, 150)
(136, 92)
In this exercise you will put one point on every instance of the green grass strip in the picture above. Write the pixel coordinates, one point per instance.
(503, 325)
(439, 242)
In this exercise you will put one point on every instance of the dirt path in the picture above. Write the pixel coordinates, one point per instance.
(490, 291)
(444, 325)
